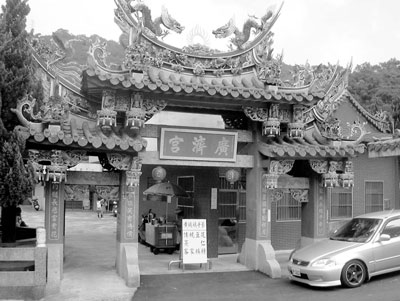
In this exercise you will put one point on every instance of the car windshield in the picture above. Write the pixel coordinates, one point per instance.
(357, 230)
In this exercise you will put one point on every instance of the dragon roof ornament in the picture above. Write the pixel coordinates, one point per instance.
(135, 19)
(241, 38)
(56, 56)
(54, 111)
(140, 39)
(339, 82)
(153, 27)
(268, 68)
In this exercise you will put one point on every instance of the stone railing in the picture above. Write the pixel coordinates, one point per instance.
(23, 272)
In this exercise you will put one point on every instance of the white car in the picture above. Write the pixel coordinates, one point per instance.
(366, 246)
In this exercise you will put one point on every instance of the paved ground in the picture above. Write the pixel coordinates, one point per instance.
(89, 262)
(89, 273)
(250, 285)
(89, 266)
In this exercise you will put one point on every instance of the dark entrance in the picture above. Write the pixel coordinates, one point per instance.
(231, 215)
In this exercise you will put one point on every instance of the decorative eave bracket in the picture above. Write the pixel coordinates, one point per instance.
(276, 169)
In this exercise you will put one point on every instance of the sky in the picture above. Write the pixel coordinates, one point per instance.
(314, 31)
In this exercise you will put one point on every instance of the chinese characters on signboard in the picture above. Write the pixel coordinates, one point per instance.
(188, 144)
(54, 212)
(264, 213)
(194, 241)
(128, 201)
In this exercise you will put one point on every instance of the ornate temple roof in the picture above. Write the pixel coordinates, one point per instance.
(389, 147)
(77, 132)
(249, 75)
(246, 81)
(307, 147)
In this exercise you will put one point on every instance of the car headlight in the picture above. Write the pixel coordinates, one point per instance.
(324, 262)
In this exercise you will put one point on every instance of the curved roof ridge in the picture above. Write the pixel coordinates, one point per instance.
(55, 75)
(144, 29)
(382, 123)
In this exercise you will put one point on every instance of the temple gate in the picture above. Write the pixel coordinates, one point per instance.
(296, 136)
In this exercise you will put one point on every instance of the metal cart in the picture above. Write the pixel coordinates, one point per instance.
(161, 237)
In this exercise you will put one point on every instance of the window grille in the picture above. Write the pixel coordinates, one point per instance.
(341, 203)
(373, 196)
(227, 205)
(238, 187)
(288, 209)
(187, 204)
(242, 206)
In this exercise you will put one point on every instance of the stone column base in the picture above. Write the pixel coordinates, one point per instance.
(55, 262)
(127, 263)
(259, 255)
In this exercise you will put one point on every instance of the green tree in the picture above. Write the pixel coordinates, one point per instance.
(16, 80)
(377, 87)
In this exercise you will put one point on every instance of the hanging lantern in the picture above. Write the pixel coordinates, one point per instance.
(232, 175)
(135, 118)
(136, 115)
(38, 171)
(158, 173)
(330, 179)
(271, 127)
(296, 129)
(56, 173)
(346, 179)
(270, 180)
(106, 119)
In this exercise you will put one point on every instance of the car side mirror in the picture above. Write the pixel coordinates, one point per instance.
(384, 237)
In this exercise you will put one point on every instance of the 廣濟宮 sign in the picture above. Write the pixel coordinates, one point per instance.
(188, 144)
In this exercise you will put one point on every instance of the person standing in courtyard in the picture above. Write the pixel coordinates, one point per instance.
(103, 207)
(100, 207)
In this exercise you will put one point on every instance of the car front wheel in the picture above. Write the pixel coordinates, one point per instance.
(353, 274)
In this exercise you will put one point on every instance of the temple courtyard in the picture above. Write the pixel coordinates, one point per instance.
(90, 252)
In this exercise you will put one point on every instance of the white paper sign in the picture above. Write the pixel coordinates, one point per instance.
(194, 241)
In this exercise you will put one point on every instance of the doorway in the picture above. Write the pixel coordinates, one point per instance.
(231, 215)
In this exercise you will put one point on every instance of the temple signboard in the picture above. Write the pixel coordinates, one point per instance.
(188, 144)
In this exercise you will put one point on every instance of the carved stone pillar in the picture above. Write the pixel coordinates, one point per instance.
(315, 214)
(51, 167)
(127, 262)
(269, 184)
(257, 252)
(55, 233)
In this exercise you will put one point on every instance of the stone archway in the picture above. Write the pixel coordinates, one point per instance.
(51, 168)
